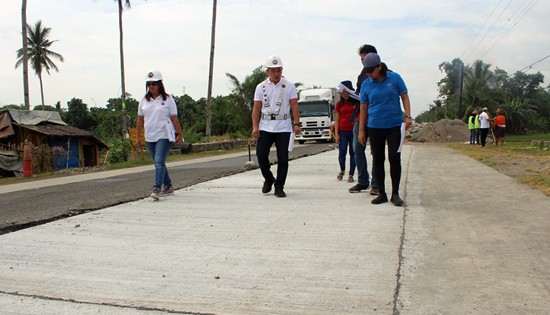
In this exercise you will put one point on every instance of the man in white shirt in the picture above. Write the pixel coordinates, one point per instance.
(272, 122)
(485, 125)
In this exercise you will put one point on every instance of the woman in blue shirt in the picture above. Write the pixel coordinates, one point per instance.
(381, 95)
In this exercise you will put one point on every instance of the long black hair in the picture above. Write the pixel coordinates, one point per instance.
(162, 91)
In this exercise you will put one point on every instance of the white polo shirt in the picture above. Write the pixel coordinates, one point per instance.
(484, 120)
(272, 90)
(156, 114)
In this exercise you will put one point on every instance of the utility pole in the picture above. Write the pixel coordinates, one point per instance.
(211, 74)
(461, 86)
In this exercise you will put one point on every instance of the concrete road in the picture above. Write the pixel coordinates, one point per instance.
(34, 202)
(469, 241)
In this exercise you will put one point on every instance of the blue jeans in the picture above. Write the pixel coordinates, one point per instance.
(361, 159)
(473, 136)
(346, 140)
(159, 151)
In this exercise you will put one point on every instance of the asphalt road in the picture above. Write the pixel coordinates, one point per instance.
(26, 208)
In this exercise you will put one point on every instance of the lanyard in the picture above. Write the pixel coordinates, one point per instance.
(279, 98)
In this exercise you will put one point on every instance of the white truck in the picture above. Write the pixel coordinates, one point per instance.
(316, 113)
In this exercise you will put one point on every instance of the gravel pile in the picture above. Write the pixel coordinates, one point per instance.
(444, 130)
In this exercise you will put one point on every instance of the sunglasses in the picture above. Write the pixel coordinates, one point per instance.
(152, 83)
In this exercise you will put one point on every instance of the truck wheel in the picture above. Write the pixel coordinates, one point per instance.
(301, 141)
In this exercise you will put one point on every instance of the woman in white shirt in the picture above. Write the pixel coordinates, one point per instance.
(158, 115)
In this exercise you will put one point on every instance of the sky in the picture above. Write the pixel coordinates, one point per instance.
(317, 41)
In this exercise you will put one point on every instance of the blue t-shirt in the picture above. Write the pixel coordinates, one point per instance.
(384, 99)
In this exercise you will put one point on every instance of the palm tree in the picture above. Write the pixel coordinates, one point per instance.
(122, 79)
(39, 52)
(25, 56)
(519, 114)
(210, 73)
(476, 87)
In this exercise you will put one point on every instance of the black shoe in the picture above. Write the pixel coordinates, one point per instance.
(279, 192)
(396, 200)
(380, 199)
(357, 188)
(374, 191)
(267, 185)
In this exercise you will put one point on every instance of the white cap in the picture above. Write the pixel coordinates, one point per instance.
(273, 62)
(153, 75)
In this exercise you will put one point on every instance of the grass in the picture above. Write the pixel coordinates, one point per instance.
(517, 158)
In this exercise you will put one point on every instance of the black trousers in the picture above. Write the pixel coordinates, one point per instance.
(378, 139)
(484, 134)
(263, 147)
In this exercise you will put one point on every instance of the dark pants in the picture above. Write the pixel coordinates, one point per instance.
(484, 133)
(478, 135)
(263, 146)
(378, 138)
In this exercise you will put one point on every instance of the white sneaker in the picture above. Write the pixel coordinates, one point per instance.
(156, 193)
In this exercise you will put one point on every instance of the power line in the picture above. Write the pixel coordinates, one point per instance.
(534, 63)
(484, 24)
(506, 30)
(488, 29)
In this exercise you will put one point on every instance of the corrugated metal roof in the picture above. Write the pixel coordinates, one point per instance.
(35, 117)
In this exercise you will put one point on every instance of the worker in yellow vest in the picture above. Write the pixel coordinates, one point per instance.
(472, 127)
(478, 127)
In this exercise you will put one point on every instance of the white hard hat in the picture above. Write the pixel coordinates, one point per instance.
(273, 62)
(153, 75)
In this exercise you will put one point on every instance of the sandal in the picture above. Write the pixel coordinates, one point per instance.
(350, 179)
(340, 176)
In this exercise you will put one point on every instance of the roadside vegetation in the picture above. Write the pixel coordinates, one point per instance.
(518, 158)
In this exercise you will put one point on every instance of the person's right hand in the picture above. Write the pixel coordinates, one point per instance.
(255, 133)
(337, 138)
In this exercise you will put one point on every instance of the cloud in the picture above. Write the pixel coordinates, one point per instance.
(317, 41)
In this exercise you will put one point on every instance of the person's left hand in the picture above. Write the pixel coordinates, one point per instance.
(297, 129)
(179, 138)
(408, 123)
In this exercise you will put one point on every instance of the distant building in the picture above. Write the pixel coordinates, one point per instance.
(55, 145)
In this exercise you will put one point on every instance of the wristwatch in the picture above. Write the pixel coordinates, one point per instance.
(297, 124)
(408, 116)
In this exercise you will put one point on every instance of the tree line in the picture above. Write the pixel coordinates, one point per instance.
(522, 96)
(231, 115)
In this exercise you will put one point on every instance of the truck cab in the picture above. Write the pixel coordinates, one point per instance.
(316, 113)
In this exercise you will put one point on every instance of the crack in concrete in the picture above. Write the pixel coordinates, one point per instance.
(402, 242)
(138, 308)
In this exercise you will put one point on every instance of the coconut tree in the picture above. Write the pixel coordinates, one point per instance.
(39, 52)
(121, 43)
(25, 56)
(519, 114)
(477, 91)
(121, 6)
